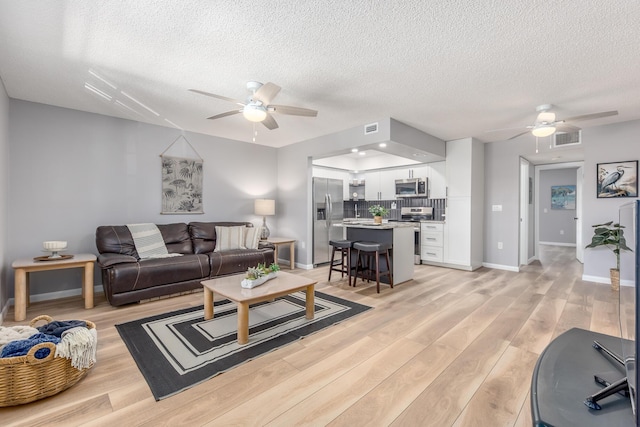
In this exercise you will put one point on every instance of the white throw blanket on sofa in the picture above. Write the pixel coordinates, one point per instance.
(149, 242)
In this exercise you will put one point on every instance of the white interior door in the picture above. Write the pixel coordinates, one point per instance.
(578, 217)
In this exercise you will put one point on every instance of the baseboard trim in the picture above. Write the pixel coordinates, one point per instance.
(606, 280)
(56, 295)
(501, 267)
(571, 245)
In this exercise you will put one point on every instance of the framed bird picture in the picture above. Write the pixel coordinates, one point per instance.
(617, 179)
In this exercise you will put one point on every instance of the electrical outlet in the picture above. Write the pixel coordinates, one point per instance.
(302, 245)
(499, 245)
(561, 231)
(496, 208)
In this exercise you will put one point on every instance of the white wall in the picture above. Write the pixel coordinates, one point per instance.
(556, 225)
(71, 171)
(4, 182)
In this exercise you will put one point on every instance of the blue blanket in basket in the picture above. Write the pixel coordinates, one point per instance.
(22, 347)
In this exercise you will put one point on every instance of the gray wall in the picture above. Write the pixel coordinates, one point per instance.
(4, 185)
(611, 143)
(607, 143)
(554, 222)
(72, 171)
(531, 250)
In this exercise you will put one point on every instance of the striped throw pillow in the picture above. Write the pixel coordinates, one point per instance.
(251, 237)
(229, 238)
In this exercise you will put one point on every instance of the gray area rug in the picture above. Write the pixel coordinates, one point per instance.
(177, 350)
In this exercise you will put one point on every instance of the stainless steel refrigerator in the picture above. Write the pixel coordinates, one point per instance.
(327, 216)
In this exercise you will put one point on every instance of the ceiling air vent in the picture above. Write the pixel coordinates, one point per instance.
(563, 139)
(370, 128)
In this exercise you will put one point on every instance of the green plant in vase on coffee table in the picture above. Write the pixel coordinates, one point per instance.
(378, 211)
(258, 275)
(612, 236)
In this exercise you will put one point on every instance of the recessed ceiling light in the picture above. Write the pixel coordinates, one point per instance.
(382, 145)
(354, 150)
(355, 171)
(362, 153)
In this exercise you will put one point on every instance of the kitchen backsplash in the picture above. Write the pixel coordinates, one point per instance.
(360, 209)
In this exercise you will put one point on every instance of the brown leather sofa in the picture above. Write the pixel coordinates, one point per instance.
(126, 278)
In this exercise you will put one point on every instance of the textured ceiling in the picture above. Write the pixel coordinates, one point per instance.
(450, 68)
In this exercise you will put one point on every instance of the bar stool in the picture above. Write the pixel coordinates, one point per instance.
(344, 246)
(368, 250)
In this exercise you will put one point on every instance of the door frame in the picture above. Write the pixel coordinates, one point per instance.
(524, 212)
(538, 168)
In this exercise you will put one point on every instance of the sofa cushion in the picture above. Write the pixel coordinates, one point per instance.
(228, 238)
(117, 239)
(176, 238)
(238, 260)
(158, 271)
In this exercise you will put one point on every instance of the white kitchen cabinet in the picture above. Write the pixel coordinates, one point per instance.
(463, 231)
(380, 185)
(372, 186)
(437, 180)
(432, 242)
(418, 171)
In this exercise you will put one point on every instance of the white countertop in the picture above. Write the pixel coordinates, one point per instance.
(383, 226)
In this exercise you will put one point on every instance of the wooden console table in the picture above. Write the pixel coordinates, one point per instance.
(24, 266)
(277, 241)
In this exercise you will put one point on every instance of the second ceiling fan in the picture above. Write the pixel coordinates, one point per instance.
(258, 107)
(546, 123)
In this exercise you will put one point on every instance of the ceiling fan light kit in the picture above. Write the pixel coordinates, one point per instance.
(254, 113)
(543, 130)
(258, 108)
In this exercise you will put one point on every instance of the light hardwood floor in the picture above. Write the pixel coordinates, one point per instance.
(450, 348)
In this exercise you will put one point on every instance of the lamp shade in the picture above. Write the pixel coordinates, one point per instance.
(265, 207)
(543, 130)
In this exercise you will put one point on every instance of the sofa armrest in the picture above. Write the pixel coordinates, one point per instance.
(109, 259)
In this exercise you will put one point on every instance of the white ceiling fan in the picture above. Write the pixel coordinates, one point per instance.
(258, 107)
(546, 123)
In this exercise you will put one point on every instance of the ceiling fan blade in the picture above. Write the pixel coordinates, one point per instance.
(520, 134)
(563, 127)
(228, 113)
(293, 111)
(213, 95)
(591, 116)
(266, 93)
(270, 123)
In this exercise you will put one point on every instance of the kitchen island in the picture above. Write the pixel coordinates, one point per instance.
(401, 238)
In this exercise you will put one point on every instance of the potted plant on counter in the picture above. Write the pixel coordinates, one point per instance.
(378, 212)
(612, 236)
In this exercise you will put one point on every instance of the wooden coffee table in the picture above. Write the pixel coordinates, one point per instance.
(229, 287)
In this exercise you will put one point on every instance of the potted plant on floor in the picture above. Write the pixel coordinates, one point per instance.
(378, 212)
(612, 236)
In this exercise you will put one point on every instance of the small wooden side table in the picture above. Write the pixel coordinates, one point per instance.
(277, 241)
(24, 266)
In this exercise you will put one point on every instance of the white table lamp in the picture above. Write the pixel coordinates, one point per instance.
(264, 207)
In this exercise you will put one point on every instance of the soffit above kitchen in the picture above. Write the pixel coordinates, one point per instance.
(451, 69)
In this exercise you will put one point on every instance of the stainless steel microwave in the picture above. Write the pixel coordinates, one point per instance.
(411, 187)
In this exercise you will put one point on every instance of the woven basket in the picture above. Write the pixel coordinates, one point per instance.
(24, 379)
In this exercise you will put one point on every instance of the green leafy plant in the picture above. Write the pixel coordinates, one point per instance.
(260, 270)
(612, 236)
(377, 210)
